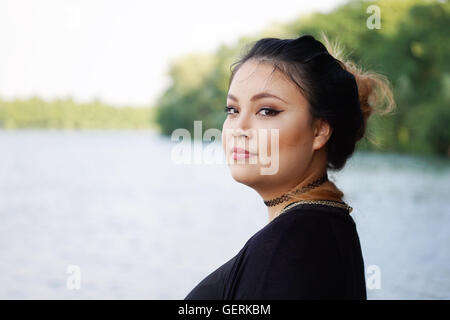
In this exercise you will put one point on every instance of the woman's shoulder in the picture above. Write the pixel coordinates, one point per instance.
(306, 220)
(301, 253)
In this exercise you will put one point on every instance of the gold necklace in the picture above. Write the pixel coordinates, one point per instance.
(331, 203)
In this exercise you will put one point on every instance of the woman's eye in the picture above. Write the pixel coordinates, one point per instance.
(229, 109)
(269, 112)
(266, 112)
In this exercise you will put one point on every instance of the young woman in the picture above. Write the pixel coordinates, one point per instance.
(318, 106)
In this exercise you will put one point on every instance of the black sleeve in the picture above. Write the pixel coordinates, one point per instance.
(212, 286)
(306, 263)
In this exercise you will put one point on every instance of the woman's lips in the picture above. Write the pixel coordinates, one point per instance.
(239, 153)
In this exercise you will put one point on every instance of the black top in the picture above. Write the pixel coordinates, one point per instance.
(311, 251)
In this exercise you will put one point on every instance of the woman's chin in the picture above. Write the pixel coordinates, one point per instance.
(245, 174)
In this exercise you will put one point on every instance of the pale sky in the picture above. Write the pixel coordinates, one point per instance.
(117, 50)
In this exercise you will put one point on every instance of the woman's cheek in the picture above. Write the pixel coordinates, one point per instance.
(224, 135)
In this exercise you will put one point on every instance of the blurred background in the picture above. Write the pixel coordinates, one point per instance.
(91, 91)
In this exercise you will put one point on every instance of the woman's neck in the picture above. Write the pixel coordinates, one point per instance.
(325, 191)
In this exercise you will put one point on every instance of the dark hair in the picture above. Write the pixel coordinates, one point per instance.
(337, 91)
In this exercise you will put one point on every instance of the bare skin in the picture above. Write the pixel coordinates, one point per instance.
(301, 141)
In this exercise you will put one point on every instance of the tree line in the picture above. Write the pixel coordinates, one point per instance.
(411, 49)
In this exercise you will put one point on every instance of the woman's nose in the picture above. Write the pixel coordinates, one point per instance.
(238, 132)
(242, 126)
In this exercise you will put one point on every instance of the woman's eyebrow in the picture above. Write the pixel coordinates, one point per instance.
(257, 96)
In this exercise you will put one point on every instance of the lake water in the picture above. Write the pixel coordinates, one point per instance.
(139, 226)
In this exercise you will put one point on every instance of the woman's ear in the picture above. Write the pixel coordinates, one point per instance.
(322, 132)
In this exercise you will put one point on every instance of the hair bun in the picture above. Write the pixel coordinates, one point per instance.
(374, 89)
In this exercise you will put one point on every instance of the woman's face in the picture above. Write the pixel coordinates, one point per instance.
(250, 113)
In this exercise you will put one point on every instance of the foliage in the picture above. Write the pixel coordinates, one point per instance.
(411, 49)
(66, 113)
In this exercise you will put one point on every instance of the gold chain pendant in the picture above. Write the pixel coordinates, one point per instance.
(322, 202)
